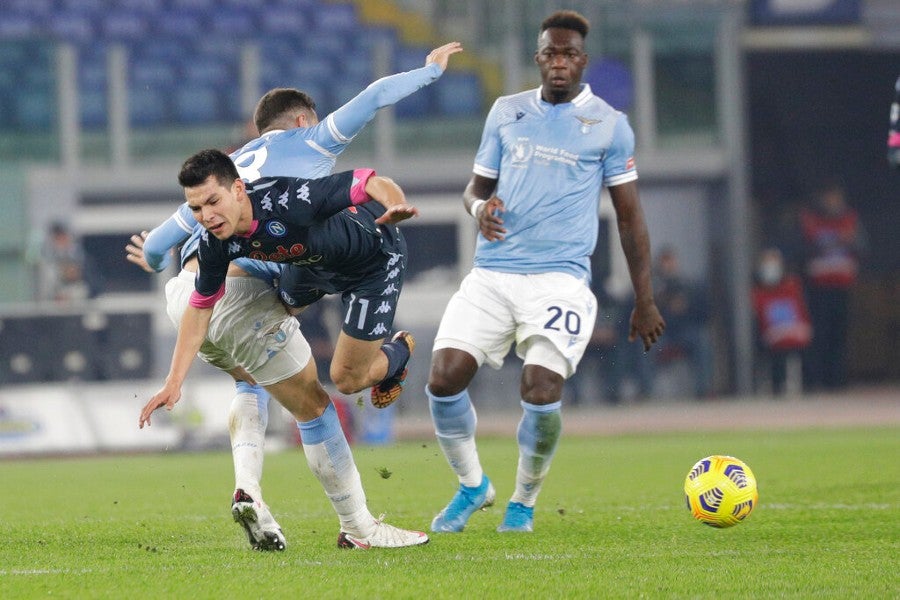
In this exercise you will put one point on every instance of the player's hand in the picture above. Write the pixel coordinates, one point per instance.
(397, 213)
(135, 252)
(167, 397)
(490, 223)
(646, 323)
(441, 55)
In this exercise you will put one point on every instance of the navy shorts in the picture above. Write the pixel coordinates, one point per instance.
(369, 296)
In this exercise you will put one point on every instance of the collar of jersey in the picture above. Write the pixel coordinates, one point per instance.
(578, 100)
(254, 225)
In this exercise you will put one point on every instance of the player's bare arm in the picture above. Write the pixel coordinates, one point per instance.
(646, 321)
(191, 333)
(480, 202)
(135, 251)
(386, 192)
(441, 55)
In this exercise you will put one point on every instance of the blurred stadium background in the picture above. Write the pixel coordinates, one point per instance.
(740, 108)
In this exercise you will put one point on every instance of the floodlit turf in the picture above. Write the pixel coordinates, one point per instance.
(611, 522)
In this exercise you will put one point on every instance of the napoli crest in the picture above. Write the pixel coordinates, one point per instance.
(276, 228)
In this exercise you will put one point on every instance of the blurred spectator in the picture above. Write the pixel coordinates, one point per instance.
(65, 274)
(683, 304)
(833, 240)
(610, 360)
(783, 324)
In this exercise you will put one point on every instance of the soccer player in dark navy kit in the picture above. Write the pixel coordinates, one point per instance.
(287, 220)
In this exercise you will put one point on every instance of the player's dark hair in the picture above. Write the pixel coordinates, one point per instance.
(566, 19)
(200, 166)
(279, 103)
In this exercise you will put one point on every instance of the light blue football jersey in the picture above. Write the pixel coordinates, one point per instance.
(550, 162)
(309, 152)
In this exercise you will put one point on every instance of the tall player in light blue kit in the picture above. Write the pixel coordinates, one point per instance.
(544, 156)
(293, 143)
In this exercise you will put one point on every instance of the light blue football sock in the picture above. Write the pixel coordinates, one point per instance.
(455, 422)
(538, 435)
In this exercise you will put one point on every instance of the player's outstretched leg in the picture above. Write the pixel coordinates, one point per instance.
(398, 351)
(330, 459)
(382, 536)
(254, 516)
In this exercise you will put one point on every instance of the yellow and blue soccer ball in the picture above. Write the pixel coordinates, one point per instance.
(720, 491)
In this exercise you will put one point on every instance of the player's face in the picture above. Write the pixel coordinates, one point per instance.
(215, 206)
(561, 59)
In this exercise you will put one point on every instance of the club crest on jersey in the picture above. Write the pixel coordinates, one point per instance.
(522, 151)
(587, 123)
(276, 228)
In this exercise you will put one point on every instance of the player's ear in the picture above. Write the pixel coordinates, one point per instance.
(239, 188)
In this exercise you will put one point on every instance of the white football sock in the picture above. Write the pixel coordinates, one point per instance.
(328, 455)
(247, 420)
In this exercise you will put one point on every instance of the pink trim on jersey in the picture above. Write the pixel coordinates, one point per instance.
(358, 193)
(894, 139)
(198, 300)
(254, 225)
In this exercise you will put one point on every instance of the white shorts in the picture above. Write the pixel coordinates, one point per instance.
(550, 317)
(249, 327)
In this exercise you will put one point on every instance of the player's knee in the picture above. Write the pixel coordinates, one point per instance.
(542, 391)
(451, 372)
(444, 382)
(347, 381)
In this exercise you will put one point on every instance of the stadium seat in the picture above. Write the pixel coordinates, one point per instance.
(195, 104)
(207, 71)
(30, 7)
(71, 27)
(234, 23)
(152, 73)
(410, 57)
(279, 21)
(84, 6)
(92, 67)
(147, 6)
(125, 26)
(314, 70)
(415, 105)
(18, 26)
(336, 18)
(206, 5)
(458, 94)
(183, 24)
(148, 107)
(322, 44)
(93, 108)
(357, 64)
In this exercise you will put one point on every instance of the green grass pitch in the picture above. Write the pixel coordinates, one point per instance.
(610, 523)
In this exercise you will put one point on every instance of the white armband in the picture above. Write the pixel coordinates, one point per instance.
(473, 210)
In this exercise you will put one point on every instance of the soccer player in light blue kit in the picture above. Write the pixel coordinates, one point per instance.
(544, 156)
(293, 143)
